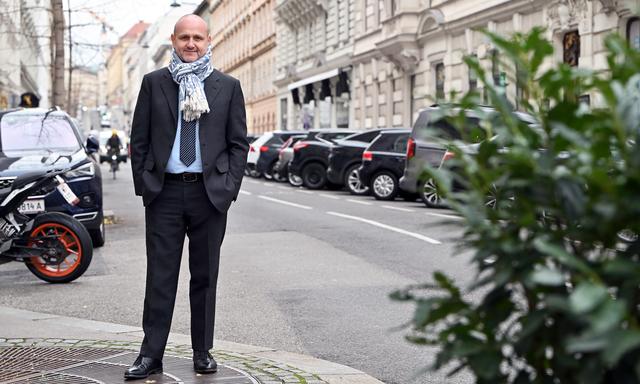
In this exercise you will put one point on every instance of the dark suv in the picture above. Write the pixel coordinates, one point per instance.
(311, 156)
(426, 147)
(345, 158)
(31, 140)
(270, 149)
(383, 163)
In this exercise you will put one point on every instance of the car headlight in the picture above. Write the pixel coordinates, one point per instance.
(82, 171)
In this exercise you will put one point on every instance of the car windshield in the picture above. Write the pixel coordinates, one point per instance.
(331, 136)
(19, 132)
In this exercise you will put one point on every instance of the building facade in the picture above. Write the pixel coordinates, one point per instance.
(315, 41)
(118, 72)
(409, 54)
(243, 46)
(25, 55)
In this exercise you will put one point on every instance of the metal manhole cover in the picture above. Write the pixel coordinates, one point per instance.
(55, 365)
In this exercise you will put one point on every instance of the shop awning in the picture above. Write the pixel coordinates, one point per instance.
(314, 79)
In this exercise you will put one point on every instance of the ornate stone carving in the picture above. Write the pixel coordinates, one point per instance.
(609, 6)
(567, 14)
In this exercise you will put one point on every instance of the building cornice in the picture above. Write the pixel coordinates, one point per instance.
(298, 13)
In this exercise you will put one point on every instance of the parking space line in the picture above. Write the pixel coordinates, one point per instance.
(444, 216)
(303, 191)
(266, 183)
(360, 202)
(284, 188)
(398, 208)
(388, 227)
(245, 193)
(284, 202)
(329, 196)
(250, 181)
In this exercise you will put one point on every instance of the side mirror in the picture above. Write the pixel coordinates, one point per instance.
(92, 145)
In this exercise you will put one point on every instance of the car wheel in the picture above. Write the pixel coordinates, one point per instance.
(384, 186)
(294, 180)
(353, 183)
(314, 176)
(430, 195)
(98, 235)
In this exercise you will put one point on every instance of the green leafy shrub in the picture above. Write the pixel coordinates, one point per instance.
(558, 285)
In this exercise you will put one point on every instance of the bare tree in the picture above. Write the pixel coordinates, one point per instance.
(58, 53)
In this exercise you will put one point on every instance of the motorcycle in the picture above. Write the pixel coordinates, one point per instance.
(54, 246)
(114, 161)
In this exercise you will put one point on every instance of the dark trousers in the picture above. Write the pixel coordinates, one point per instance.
(181, 209)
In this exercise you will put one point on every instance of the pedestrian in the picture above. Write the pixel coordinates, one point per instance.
(188, 154)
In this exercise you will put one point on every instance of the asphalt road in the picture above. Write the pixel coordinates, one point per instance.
(302, 271)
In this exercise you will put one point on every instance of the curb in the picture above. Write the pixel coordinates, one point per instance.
(266, 364)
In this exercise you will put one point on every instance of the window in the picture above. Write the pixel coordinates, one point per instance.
(633, 33)
(571, 48)
(29, 132)
(440, 78)
(473, 78)
(495, 67)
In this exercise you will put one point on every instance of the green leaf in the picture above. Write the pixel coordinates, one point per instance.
(608, 316)
(486, 364)
(620, 343)
(546, 276)
(586, 297)
(587, 343)
(561, 255)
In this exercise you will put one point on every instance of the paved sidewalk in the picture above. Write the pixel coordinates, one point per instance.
(43, 348)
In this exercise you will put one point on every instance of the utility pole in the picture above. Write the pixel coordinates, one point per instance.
(58, 48)
(69, 89)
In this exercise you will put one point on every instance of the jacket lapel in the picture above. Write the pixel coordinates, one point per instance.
(170, 90)
(211, 89)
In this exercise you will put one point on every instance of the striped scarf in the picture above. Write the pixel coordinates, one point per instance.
(193, 101)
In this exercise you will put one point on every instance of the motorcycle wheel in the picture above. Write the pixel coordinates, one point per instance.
(63, 237)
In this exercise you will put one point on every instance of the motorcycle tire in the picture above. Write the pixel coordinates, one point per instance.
(66, 237)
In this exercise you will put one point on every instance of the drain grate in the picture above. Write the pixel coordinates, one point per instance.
(57, 378)
(56, 365)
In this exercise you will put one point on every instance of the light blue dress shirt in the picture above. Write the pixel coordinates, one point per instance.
(175, 165)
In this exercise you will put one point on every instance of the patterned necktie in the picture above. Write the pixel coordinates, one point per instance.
(188, 142)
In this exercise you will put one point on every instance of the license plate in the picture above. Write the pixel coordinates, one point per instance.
(32, 206)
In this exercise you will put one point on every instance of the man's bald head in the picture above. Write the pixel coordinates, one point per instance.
(191, 18)
(190, 38)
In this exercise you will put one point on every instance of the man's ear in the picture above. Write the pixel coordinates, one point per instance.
(173, 39)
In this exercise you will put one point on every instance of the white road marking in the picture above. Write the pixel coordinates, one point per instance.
(268, 184)
(245, 193)
(303, 191)
(360, 202)
(284, 202)
(398, 208)
(329, 196)
(248, 180)
(284, 188)
(385, 226)
(444, 216)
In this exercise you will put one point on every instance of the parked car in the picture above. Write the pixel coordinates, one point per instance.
(345, 158)
(32, 140)
(383, 163)
(269, 151)
(260, 144)
(426, 147)
(311, 156)
(285, 154)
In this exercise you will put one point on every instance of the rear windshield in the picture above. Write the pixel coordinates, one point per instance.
(442, 129)
(396, 142)
(33, 132)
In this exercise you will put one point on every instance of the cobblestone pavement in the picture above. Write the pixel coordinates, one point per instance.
(238, 368)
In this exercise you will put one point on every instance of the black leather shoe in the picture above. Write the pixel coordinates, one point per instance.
(203, 362)
(143, 367)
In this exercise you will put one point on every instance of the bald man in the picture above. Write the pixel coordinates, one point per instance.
(188, 153)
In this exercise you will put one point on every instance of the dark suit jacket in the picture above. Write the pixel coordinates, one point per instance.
(223, 136)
